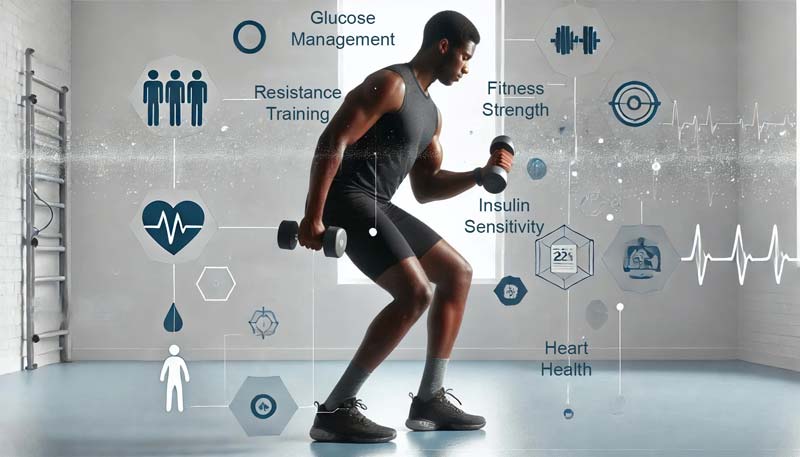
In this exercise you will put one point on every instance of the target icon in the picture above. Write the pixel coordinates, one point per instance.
(634, 103)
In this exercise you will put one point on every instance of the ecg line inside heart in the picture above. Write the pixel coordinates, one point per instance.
(176, 235)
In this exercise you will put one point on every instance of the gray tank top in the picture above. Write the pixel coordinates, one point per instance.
(379, 161)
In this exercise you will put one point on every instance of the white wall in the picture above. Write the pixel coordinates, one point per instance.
(45, 26)
(769, 319)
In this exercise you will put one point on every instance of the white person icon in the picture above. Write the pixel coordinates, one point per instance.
(172, 368)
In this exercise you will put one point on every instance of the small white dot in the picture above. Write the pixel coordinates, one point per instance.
(609, 217)
(619, 180)
(574, 173)
(619, 164)
(600, 140)
(373, 231)
(620, 306)
(224, 128)
(656, 166)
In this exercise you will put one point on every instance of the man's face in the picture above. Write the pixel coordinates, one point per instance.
(455, 63)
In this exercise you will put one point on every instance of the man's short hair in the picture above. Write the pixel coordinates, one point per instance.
(451, 25)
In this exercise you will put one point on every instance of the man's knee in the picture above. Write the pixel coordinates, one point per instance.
(419, 296)
(460, 274)
(421, 293)
(466, 272)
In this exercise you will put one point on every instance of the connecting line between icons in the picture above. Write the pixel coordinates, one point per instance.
(569, 357)
(619, 354)
(174, 164)
(247, 227)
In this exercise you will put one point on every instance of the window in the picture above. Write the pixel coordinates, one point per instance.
(466, 132)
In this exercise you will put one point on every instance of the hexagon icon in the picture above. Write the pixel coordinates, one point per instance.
(263, 406)
(564, 257)
(173, 226)
(575, 39)
(263, 323)
(215, 283)
(641, 258)
(510, 290)
(188, 84)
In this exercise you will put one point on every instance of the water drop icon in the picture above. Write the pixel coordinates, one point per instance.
(173, 322)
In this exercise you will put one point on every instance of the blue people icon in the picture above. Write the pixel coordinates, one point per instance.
(153, 95)
(642, 260)
(175, 95)
(197, 95)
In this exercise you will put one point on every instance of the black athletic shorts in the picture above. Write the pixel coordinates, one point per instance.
(400, 235)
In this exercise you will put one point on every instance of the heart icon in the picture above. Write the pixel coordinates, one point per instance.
(173, 227)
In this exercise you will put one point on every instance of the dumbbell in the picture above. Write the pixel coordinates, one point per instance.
(334, 240)
(496, 180)
(565, 40)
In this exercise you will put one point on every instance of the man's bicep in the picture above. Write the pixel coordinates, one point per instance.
(427, 164)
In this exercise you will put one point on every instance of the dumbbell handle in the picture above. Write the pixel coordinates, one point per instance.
(297, 235)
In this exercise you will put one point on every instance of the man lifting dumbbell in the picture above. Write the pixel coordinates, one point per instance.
(387, 128)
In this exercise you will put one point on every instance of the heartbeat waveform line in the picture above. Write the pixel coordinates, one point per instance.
(176, 223)
(709, 122)
(740, 255)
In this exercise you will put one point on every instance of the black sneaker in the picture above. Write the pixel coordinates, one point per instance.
(346, 424)
(439, 414)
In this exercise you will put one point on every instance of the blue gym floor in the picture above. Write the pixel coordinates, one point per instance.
(703, 408)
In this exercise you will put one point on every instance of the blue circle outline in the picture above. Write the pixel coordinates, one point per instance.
(274, 406)
(654, 103)
(261, 31)
(637, 100)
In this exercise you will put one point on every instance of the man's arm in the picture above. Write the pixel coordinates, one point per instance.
(430, 183)
(380, 93)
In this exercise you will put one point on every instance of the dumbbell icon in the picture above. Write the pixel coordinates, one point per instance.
(565, 40)
(496, 179)
(334, 240)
